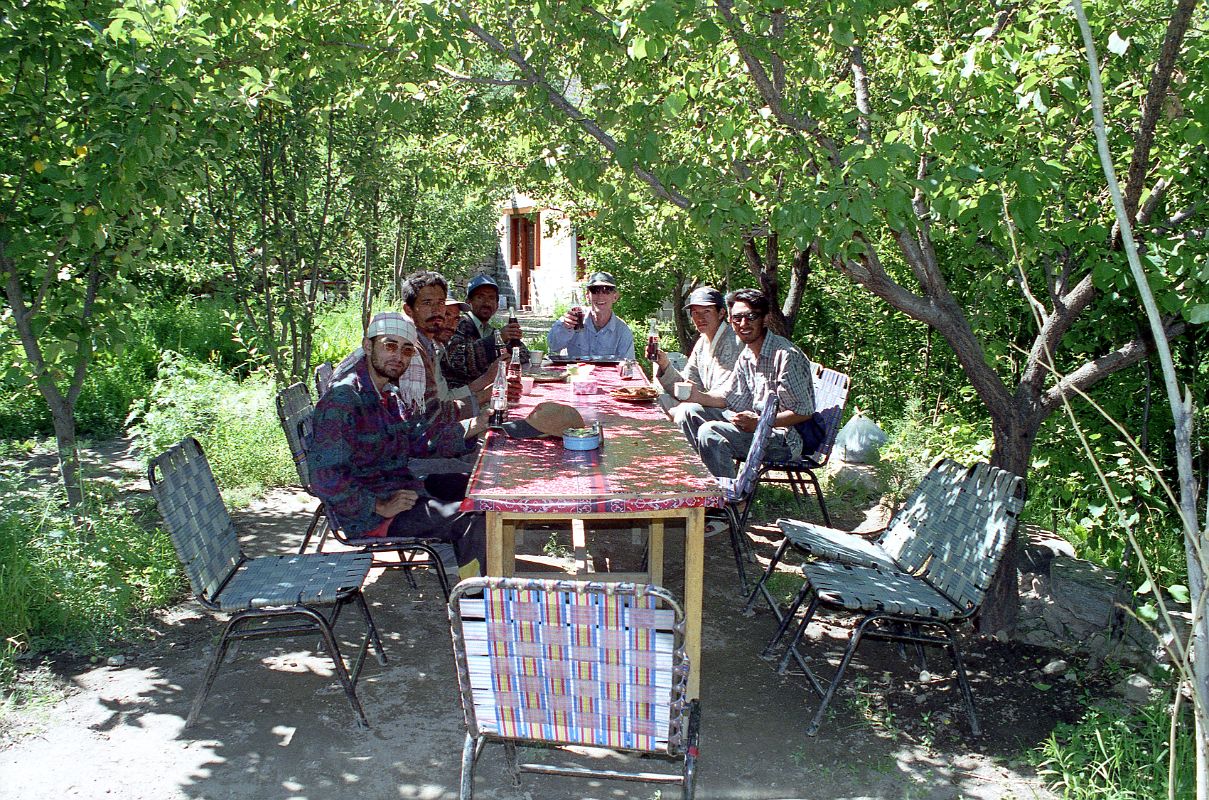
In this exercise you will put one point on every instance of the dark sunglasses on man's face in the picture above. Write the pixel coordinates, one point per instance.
(600, 289)
(744, 317)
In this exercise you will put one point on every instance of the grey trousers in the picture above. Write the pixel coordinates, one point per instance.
(719, 442)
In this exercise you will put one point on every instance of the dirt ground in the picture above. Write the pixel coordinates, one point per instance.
(277, 724)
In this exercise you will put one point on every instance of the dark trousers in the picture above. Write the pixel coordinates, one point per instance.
(437, 514)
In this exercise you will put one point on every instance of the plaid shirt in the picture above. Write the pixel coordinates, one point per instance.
(469, 352)
(359, 448)
(709, 364)
(782, 367)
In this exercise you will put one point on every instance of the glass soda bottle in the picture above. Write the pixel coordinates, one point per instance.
(652, 342)
(578, 308)
(499, 400)
(513, 344)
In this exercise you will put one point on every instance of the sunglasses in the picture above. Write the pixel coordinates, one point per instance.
(601, 289)
(389, 346)
(744, 317)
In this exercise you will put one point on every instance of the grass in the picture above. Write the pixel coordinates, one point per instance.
(1118, 753)
(73, 586)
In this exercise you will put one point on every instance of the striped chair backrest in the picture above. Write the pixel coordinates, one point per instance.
(570, 662)
(830, 396)
(969, 540)
(738, 488)
(198, 522)
(294, 409)
(937, 490)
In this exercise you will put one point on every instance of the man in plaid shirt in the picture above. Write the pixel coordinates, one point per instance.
(768, 363)
(362, 441)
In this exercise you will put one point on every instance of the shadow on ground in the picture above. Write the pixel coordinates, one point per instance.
(277, 724)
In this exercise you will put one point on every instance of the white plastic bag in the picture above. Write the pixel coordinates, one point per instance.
(859, 440)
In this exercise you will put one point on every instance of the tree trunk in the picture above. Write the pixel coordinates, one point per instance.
(63, 416)
(1015, 434)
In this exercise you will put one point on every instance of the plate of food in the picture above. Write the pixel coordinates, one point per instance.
(547, 376)
(635, 394)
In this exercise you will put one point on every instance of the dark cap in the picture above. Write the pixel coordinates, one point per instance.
(546, 419)
(478, 282)
(601, 279)
(705, 296)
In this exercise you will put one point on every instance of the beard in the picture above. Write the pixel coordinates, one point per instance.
(389, 367)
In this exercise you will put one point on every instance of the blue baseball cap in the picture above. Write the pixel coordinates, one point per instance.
(478, 282)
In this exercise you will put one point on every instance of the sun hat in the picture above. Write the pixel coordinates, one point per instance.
(478, 282)
(546, 419)
(392, 323)
(601, 279)
(449, 301)
(705, 296)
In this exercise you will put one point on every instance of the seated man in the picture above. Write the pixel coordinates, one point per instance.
(768, 363)
(472, 349)
(598, 334)
(709, 364)
(360, 447)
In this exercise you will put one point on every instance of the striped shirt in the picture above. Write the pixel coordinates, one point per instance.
(780, 367)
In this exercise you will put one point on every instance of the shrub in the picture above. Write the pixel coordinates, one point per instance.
(64, 584)
(1116, 752)
(236, 423)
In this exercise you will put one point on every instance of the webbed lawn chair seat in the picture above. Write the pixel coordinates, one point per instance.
(572, 663)
(898, 548)
(295, 410)
(830, 396)
(740, 491)
(964, 548)
(268, 596)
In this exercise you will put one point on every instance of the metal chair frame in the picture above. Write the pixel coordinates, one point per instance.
(830, 396)
(682, 734)
(267, 596)
(952, 582)
(295, 410)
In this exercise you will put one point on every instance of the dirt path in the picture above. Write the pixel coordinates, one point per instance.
(277, 725)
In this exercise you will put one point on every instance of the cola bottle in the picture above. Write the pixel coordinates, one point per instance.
(652, 343)
(577, 309)
(513, 344)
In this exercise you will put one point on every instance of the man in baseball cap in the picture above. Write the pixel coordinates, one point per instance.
(711, 361)
(598, 333)
(362, 439)
(472, 349)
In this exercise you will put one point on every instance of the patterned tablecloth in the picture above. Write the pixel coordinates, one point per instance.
(644, 464)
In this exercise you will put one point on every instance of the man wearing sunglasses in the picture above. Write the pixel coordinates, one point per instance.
(599, 333)
(362, 440)
(768, 363)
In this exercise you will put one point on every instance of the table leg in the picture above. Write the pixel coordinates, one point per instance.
(495, 543)
(654, 553)
(694, 568)
(509, 548)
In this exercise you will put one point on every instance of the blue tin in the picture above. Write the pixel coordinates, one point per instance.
(582, 438)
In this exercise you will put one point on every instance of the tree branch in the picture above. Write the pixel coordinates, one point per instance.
(559, 101)
(1094, 371)
(1152, 107)
(860, 83)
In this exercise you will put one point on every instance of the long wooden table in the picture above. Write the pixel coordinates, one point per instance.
(644, 471)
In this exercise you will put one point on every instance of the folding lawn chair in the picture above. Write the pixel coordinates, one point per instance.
(965, 546)
(269, 596)
(830, 395)
(295, 410)
(552, 663)
(323, 378)
(898, 548)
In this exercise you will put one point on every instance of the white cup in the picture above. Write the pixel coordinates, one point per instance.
(681, 390)
(527, 385)
(535, 358)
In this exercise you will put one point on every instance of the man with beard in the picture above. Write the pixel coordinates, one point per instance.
(709, 364)
(768, 363)
(361, 444)
(472, 349)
